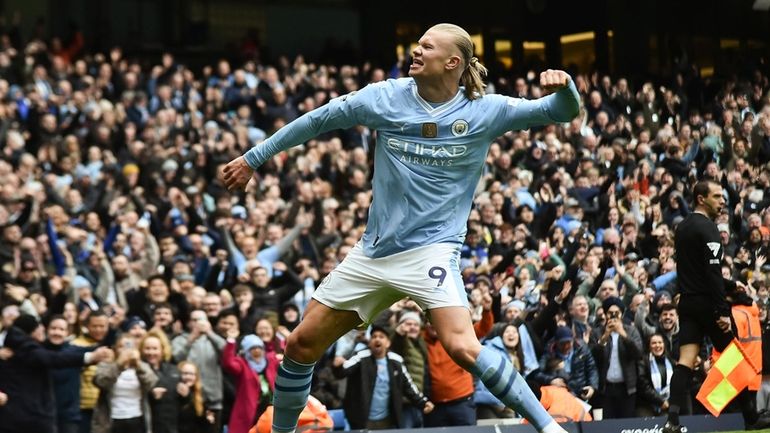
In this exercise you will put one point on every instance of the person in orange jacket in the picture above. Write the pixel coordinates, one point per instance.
(561, 404)
(451, 387)
(313, 419)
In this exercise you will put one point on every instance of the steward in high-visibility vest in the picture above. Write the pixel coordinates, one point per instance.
(313, 419)
(748, 332)
(560, 403)
(744, 368)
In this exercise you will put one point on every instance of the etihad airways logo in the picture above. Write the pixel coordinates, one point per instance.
(431, 150)
(426, 154)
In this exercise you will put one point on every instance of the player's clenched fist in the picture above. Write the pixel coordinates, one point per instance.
(552, 80)
(237, 174)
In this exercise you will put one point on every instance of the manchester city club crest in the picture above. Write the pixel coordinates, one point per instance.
(459, 128)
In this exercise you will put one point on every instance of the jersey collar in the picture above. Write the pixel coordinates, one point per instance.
(433, 112)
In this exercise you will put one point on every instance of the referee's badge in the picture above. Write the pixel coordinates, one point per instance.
(429, 130)
(459, 128)
(714, 247)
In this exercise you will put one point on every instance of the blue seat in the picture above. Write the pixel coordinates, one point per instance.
(340, 422)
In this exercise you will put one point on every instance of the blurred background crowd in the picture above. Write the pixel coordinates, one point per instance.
(138, 294)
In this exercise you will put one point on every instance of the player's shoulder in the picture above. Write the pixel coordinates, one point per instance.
(497, 100)
(393, 84)
(381, 90)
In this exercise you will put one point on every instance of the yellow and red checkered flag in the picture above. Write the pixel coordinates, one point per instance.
(729, 375)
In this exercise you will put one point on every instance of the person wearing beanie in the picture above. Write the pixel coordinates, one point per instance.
(661, 298)
(619, 347)
(408, 343)
(410, 315)
(30, 326)
(135, 327)
(130, 169)
(513, 310)
(579, 373)
(254, 372)
(26, 377)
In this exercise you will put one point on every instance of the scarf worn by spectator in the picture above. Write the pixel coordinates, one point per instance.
(249, 342)
(657, 381)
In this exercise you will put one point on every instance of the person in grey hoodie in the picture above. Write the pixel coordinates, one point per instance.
(203, 347)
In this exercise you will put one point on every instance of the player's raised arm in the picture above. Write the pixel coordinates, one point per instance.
(340, 113)
(562, 105)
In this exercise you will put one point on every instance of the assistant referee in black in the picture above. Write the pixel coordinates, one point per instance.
(703, 307)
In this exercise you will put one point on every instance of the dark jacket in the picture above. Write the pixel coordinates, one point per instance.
(361, 371)
(583, 370)
(647, 398)
(630, 351)
(66, 385)
(165, 411)
(189, 421)
(280, 289)
(26, 378)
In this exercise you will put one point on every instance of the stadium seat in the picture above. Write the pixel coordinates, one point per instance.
(340, 422)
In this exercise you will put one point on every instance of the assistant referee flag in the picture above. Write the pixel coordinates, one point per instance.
(731, 373)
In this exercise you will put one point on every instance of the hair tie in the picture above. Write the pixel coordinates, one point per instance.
(473, 62)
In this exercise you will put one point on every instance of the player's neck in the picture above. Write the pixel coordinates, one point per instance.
(438, 91)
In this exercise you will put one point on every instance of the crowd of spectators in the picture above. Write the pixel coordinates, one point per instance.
(138, 294)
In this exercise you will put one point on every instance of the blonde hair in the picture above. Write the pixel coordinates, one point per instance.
(474, 72)
(165, 345)
(196, 390)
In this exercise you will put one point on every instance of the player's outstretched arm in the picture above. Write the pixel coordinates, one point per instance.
(340, 113)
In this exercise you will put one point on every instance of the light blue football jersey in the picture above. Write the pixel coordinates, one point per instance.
(428, 159)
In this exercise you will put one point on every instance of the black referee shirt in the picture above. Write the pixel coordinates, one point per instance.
(699, 262)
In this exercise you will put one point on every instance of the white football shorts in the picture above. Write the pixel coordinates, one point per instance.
(429, 275)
